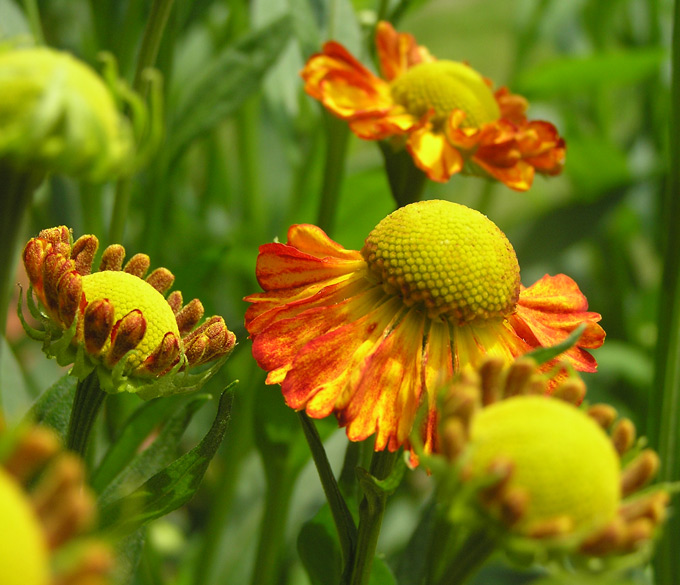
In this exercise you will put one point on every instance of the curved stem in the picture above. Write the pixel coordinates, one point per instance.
(407, 182)
(342, 517)
(337, 134)
(86, 405)
(371, 512)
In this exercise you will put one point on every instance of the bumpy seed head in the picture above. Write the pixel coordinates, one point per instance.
(447, 257)
(561, 459)
(23, 550)
(446, 86)
(127, 293)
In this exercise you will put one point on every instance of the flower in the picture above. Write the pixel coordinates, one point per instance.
(117, 322)
(57, 114)
(371, 335)
(549, 473)
(445, 112)
(46, 508)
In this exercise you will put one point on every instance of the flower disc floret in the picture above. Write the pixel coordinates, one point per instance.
(23, 551)
(447, 257)
(128, 293)
(561, 459)
(445, 86)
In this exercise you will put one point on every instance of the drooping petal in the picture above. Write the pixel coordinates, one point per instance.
(549, 310)
(398, 51)
(434, 155)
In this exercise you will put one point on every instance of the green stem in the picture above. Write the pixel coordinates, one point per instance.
(407, 182)
(280, 483)
(33, 14)
(468, 559)
(342, 517)
(337, 134)
(666, 398)
(86, 405)
(247, 129)
(153, 33)
(371, 512)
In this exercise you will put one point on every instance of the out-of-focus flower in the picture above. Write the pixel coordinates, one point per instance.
(58, 115)
(544, 469)
(446, 113)
(46, 509)
(118, 322)
(371, 335)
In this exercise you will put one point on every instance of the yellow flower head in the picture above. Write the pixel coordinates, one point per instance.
(46, 508)
(548, 471)
(117, 321)
(372, 335)
(444, 112)
(57, 114)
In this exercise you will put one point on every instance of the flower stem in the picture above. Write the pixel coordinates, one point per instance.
(407, 182)
(476, 549)
(371, 512)
(33, 14)
(86, 405)
(337, 133)
(666, 398)
(342, 517)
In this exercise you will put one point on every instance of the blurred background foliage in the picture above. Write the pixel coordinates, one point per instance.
(242, 159)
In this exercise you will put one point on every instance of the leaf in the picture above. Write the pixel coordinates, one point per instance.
(174, 486)
(545, 354)
(133, 469)
(53, 408)
(319, 550)
(576, 75)
(221, 86)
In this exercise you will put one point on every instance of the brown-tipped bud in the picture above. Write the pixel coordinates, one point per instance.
(138, 265)
(34, 256)
(518, 377)
(498, 474)
(31, 453)
(70, 297)
(91, 566)
(551, 528)
(652, 506)
(175, 301)
(98, 323)
(603, 414)
(161, 279)
(82, 253)
(452, 437)
(462, 401)
(56, 235)
(490, 373)
(623, 435)
(572, 390)
(606, 540)
(513, 505)
(70, 515)
(163, 357)
(54, 267)
(126, 335)
(209, 341)
(637, 533)
(189, 316)
(112, 258)
(639, 472)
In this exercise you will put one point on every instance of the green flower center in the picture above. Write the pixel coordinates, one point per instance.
(447, 257)
(562, 459)
(23, 551)
(127, 293)
(446, 86)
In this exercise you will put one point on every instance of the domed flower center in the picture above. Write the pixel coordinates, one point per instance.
(127, 293)
(446, 86)
(562, 459)
(447, 257)
(23, 551)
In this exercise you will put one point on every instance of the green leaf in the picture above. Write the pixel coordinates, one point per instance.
(53, 408)
(221, 86)
(126, 469)
(575, 75)
(319, 549)
(596, 165)
(545, 354)
(174, 486)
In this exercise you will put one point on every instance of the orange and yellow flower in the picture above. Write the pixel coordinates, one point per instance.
(372, 335)
(446, 113)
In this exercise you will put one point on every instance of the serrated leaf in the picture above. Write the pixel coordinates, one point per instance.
(53, 408)
(171, 488)
(222, 85)
(570, 75)
(155, 457)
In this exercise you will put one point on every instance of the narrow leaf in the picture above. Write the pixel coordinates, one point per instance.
(545, 354)
(53, 408)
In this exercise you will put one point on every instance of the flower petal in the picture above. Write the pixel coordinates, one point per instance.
(398, 51)
(434, 155)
